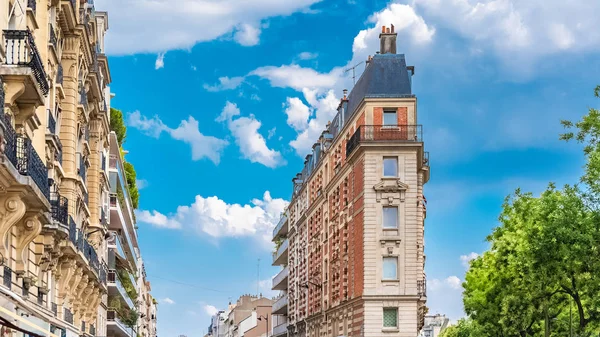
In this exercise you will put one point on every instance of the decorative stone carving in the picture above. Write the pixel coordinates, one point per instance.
(12, 209)
(64, 274)
(28, 229)
(390, 189)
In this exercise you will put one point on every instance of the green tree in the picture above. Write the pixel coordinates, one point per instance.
(465, 327)
(131, 182)
(117, 124)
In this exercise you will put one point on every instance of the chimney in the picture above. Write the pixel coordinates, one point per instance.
(387, 40)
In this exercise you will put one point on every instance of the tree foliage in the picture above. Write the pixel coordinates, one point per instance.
(465, 327)
(132, 184)
(117, 124)
(540, 276)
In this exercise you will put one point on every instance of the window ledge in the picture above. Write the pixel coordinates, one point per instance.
(390, 281)
(390, 330)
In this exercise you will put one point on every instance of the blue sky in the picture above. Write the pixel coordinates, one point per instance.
(223, 98)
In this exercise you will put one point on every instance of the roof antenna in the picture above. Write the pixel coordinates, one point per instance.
(354, 71)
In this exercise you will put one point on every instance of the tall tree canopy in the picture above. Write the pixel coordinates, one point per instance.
(541, 276)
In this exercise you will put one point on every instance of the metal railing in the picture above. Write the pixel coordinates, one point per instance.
(51, 122)
(86, 198)
(83, 100)
(30, 164)
(282, 222)
(103, 218)
(68, 316)
(7, 277)
(32, 4)
(60, 208)
(384, 133)
(111, 316)
(21, 50)
(72, 231)
(425, 158)
(59, 74)
(58, 155)
(103, 162)
(103, 273)
(422, 288)
(52, 37)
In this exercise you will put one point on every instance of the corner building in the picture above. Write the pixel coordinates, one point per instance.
(351, 241)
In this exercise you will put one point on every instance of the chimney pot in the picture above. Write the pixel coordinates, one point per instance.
(383, 29)
(392, 28)
(387, 41)
(387, 30)
(345, 93)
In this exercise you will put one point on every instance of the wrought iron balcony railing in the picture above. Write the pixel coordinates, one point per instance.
(28, 163)
(422, 288)
(68, 316)
(384, 133)
(86, 198)
(83, 100)
(52, 37)
(59, 74)
(58, 155)
(72, 231)
(425, 158)
(7, 277)
(60, 208)
(21, 50)
(51, 122)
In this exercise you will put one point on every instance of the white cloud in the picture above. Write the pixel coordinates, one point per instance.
(466, 259)
(265, 288)
(225, 83)
(307, 55)
(444, 296)
(210, 310)
(188, 131)
(297, 113)
(160, 61)
(156, 219)
(252, 144)
(216, 218)
(168, 300)
(141, 183)
(296, 77)
(247, 35)
(158, 25)
(271, 133)
(526, 30)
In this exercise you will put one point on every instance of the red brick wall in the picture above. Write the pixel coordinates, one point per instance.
(403, 116)
(377, 116)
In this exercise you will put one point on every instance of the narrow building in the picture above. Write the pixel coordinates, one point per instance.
(351, 240)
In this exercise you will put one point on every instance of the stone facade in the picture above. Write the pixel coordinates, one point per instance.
(349, 274)
(54, 185)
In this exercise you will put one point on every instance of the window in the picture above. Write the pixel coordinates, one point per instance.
(390, 317)
(390, 118)
(390, 166)
(390, 217)
(390, 268)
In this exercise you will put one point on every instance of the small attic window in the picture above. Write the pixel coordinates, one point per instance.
(390, 117)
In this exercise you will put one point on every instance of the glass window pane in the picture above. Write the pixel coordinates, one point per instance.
(390, 217)
(390, 167)
(390, 318)
(389, 118)
(390, 268)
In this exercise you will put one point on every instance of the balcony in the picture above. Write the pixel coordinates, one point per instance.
(422, 288)
(282, 226)
(51, 122)
(59, 75)
(280, 257)
(280, 282)
(116, 289)
(23, 61)
(20, 152)
(115, 327)
(280, 307)
(52, 38)
(81, 170)
(60, 209)
(385, 134)
(280, 330)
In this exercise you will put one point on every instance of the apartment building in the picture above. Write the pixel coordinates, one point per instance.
(250, 316)
(55, 192)
(434, 326)
(351, 240)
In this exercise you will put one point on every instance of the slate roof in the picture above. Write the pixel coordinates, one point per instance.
(386, 76)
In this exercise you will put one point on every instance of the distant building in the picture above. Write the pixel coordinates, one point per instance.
(250, 316)
(434, 325)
